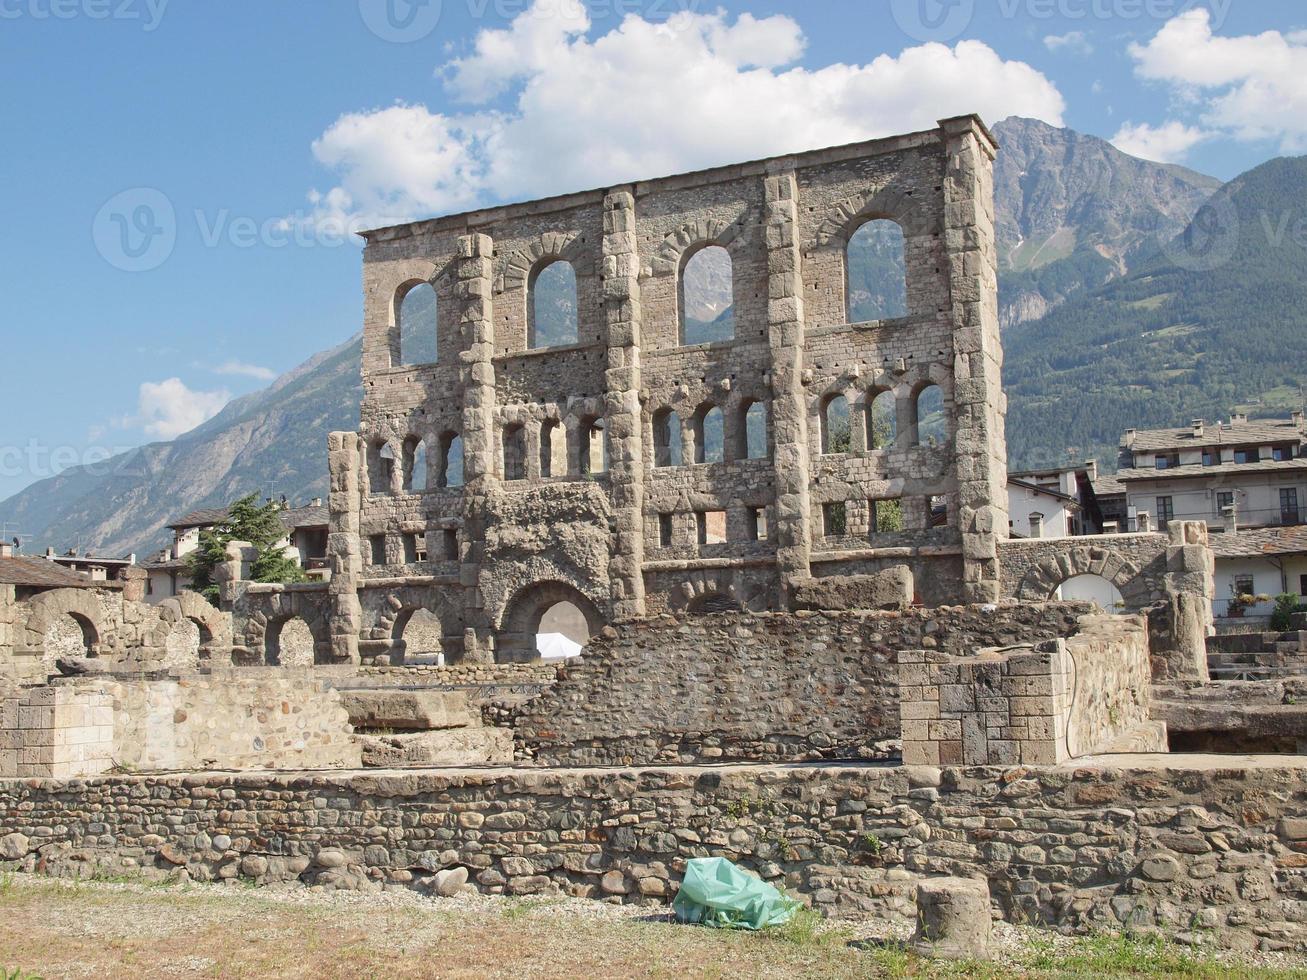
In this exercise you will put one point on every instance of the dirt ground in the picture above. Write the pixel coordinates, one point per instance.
(51, 928)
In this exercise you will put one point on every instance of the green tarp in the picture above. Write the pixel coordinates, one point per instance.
(716, 893)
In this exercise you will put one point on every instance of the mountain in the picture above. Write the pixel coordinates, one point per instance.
(1075, 217)
(1214, 319)
(1073, 212)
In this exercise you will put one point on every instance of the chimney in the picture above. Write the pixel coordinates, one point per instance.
(315, 502)
(49, 552)
(1296, 419)
(1238, 417)
(1129, 439)
(6, 550)
(1091, 469)
(1197, 425)
(1230, 518)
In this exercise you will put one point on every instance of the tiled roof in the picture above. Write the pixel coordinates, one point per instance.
(310, 516)
(200, 518)
(1261, 541)
(1036, 488)
(1224, 469)
(305, 517)
(1108, 486)
(165, 564)
(1259, 431)
(40, 573)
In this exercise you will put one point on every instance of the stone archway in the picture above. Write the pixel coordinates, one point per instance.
(80, 607)
(1042, 580)
(212, 625)
(515, 641)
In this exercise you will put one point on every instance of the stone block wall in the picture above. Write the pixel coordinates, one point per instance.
(1201, 854)
(739, 686)
(1038, 705)
(56, 732)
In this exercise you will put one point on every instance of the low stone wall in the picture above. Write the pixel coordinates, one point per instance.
(57, 732)
(756, 686)
(1215, 854)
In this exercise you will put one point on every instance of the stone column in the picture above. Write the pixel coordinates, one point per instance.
(789, 399)
(621, 299)
(345, 463)
(979, 403)
(472, 292)
(953, 920)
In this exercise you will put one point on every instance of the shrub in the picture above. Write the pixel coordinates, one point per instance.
(1286, 604)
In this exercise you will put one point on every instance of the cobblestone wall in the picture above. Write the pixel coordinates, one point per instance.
(1206, 855)
(739, 686)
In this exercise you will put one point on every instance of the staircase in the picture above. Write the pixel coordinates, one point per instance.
(1257, 656)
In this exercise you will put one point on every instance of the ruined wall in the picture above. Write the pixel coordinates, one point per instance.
(538, 516)
(1200, 854)
(736, 686)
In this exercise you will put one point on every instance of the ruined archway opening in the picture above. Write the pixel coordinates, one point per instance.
(290, 643)
(1092, 588)
(562, 632)
(419, 640)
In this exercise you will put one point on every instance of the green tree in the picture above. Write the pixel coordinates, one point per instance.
(259, 525)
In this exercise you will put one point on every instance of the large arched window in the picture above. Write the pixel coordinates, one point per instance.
(451, 460)
(876, 272)
(931, 424)
(667, 438)
(416, 313)
(553, 449)
(515, 453)
(593, 455)
(707, 300)
(836, 436)
(381, 464)
(882, 421)
(709, 435)
(415, 465)
(552, 317)
(753, 430)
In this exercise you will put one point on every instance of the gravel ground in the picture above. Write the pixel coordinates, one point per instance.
(55, 928)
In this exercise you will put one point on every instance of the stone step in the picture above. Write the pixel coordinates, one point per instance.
(408, 711)
(452, 747)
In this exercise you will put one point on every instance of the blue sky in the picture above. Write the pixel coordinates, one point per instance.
(249, 133)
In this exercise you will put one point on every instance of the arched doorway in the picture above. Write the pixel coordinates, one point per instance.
(1092, 588)
(70, 635)
(290, 643)
(548, 619)
(420, 639)
(562, 633)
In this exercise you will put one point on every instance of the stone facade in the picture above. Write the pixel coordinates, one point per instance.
(1214, 855)
(602, 524)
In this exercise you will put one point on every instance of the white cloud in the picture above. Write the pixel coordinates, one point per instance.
(166, 409)
(641, 100)
(1167, 143)
(241, 369)
(1253, 87)
(1072, 42)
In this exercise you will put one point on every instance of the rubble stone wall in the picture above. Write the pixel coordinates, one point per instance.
(740, 686)
(1203, 854)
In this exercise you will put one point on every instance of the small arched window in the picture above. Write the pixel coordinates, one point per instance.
(753, 430)
(836, 436)
(415, 465)
(931, 424)
(552, 308)
(381, 464)
(515, 453)
(667, 438)
(416, 313)
(707, 300)
(882, 421)
(876, 272)
(709, 435)
(553, 449)
(594, 447)
(451, 460)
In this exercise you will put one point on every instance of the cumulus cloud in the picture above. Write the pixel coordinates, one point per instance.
(1168, 143)
(1072, 42)
(166, 409)
(1252, 87)
(243, 370)
(574, 111)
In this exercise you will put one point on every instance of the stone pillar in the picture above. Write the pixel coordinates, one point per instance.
(134, 581)
(345, 464)
(1182, 623)
(621, 298)
(953, 920)
(472, 292)
(979, 403)
(789, 399)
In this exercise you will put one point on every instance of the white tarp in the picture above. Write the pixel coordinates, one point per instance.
(556, 646)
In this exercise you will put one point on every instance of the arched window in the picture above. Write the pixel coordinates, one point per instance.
(882, 421)
(562, 633)
(415, 465)
(667, 438)
(515, 453)
(707, 300)
(753, 430)
(416, 312)
(709, 435)
(451, 460)
(381, 464)
(836, 437)
(552, 307)
(553, 449)
(931, 427)
(876, 285)
(594, 447)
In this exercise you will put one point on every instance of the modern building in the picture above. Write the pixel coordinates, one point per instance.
(1262, 561)
(95, 567)
(29, 576)
(1058, 502)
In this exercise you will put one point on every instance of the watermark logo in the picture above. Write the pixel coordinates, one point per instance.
(148, 13)
(933, 20)
(401, 21)
(1210, 239)
(136, 231)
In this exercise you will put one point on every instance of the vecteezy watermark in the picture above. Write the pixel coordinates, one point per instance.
(946, 20)
(1210, 239)
(406, 21)
(148, 12)
(39, 461)
(401, 21)
(136, 230)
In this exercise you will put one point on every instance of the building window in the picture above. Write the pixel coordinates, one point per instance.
(415, 465)
(515, 452)
(415, 548)
(930, 416)
(882, 421)
(886, 515)
(1167, 462)
(1165, 511)
(707, 297)
(711, 526)
(756, 522)
(667, 438)
(1279, 454)
(664, 530)
(593, 448)
(835, 433)
(451, 460)
(1244, 585)
(1224, 499)
(753, 431)
(876, 272)
(834, 519)
(378, 547)
(552, 309)
(553, 449)
(1247, 455)
(937, 508)
(709, 435)
(1211, 457)
(1289, 505)
(450, 537)
(381, 464)
(416, 312)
